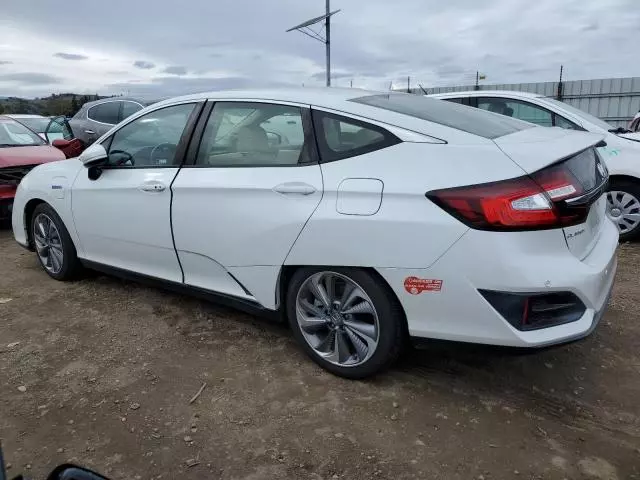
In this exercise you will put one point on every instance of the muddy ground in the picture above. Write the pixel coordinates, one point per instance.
(101, 372)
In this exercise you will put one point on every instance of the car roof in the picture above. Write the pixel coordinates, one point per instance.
(142, 102)
(329, 97)
(22, 115)
(485, 93)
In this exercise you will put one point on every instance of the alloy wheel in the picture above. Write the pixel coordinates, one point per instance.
(48, 243)
(624, 209)
(337, 319)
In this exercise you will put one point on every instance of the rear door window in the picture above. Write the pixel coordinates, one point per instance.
(342, 137)
(129, 108)
(108, 112)
(517, 109)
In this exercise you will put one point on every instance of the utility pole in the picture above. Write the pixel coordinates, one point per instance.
(477, 87)
(327, 42)
(408, 84)
(559, 92)
(305, 27)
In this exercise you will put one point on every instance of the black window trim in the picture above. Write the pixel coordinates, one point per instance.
(183, 144)
(328, 155)
(307, 127)
(474, 103)
(102, 103)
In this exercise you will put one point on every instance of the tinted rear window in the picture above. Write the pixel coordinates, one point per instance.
(460, 117)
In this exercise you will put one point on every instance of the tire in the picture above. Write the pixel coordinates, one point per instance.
(50, 242)
(369, 328)
(623, 199)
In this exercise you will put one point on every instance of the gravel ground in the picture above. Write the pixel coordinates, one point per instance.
(101, 372)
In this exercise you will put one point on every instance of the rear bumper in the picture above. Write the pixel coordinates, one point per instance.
(512, 262)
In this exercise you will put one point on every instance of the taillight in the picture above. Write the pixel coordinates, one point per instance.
(524, 203)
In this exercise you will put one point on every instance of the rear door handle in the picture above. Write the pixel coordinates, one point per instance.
(89, 132)
(153, 187)
(296, 188)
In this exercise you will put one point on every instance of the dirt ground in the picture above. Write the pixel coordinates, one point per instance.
(101, 372)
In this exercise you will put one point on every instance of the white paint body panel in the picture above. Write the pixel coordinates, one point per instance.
(123, 226)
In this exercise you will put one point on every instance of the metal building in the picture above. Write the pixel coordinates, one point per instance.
(614, 100)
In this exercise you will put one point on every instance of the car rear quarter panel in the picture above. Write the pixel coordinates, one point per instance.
(408, 230)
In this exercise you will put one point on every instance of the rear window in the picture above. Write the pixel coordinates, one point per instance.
(460, 117)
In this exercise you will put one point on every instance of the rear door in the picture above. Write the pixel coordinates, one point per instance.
(252, 183)
(100, 119)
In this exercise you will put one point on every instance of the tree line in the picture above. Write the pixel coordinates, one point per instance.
(66, 104)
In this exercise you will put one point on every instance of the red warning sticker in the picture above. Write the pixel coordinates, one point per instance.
(415, 285)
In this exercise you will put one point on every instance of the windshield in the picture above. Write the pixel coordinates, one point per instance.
(37, 124)
(14, 134)
(580, 114)
(470, 120)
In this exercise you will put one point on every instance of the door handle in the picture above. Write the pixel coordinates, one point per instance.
(153, 187)
(299, 188)
(89, 132)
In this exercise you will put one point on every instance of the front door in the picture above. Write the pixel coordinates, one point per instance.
(123, 217)
(239, 207)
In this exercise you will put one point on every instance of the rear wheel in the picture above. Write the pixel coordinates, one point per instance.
(623, 207)
(53, 245)
(345, 319)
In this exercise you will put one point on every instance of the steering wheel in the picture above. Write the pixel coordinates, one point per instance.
(167, 149)
(126, 159)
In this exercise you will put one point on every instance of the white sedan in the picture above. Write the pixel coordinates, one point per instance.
(373, 218)
(621, 152)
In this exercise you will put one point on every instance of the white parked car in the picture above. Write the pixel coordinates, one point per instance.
(382, 217)
(622, 152)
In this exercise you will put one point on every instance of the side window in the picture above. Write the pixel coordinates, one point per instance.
(517, 109)
(129, 108)
(107, 112)
(560, 121)
(341, 137)
(151, 140)
(635, 126)
(242, 134)
(453, 100)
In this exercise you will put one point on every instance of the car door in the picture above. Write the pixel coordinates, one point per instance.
(250, 184)
(123, 217)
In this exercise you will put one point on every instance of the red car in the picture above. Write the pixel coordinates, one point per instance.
(20, 151)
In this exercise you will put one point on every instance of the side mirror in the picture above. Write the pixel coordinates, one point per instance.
(93, 155)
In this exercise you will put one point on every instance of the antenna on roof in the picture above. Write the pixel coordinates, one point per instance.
(305, 27)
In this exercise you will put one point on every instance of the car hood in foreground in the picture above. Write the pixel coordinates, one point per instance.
(19, 156)
(535, 148)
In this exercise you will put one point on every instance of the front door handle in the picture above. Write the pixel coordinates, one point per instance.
(299, 188)
(89, 132)
(153, 187)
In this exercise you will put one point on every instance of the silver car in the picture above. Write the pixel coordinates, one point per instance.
(95, 118)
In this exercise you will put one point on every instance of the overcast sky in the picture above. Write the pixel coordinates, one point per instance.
(161, 47)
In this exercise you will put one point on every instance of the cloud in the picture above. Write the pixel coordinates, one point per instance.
(30, 78)
(70, 56)
(5, 62)
(175, 70)
(143, 64)
(435, 43)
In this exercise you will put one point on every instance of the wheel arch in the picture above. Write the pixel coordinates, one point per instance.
(287, 271)
(623, 178)
(29, 208)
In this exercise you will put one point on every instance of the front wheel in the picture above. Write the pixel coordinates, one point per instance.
(623, 207)
(52, 243)
(345, 319)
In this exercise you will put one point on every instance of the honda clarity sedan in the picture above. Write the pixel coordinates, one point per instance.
(363, 219)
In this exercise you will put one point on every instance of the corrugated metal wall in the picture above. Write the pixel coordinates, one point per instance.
(614, 100)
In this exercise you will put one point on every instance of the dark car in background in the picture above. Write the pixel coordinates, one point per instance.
(95, 118)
